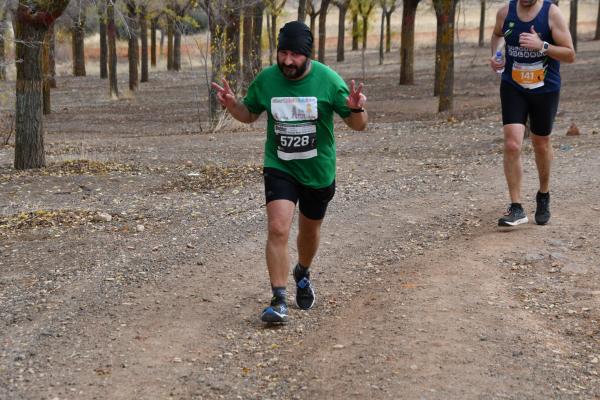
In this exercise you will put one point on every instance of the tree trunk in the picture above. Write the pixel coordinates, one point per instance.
(216, 46)
(144, 40)
(407, 42)
(573, 22)
(388, 33)
(597, 36)
(301, 10)
(132, 46)
(103, 46)
(153, 24)
(30, 31)
(51, 57)
(270, 35)
(381, 38)
(111, 31)
(446, 10)
(247, 45)
(177, 49)
(257, 25)
(341, 33)
(355, 32)
(46, 71)
(323, 29)
(232, 32)
(3, 32)
(313, 24)
(78, 47)
(481, 23)
(438, 52)
(170, 30)
(365, 31)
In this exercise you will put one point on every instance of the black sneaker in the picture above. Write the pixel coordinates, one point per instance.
(542, 211)
(305, 294)
(514, 216)
(276, 313)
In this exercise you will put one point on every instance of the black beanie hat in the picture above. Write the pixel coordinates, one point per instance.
(297, 37)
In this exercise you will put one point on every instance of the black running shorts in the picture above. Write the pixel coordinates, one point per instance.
(540, 107)
(312, 202)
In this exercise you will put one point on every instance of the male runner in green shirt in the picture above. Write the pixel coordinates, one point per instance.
(300, 96)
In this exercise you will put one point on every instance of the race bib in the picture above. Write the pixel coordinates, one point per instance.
(529, 76)
(295, 127)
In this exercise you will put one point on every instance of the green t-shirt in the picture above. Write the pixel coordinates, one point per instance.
(300, 139)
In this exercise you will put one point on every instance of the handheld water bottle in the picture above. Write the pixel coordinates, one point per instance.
(499, 57)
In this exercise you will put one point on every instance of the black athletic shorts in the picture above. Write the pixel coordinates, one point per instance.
(282, 186)
(540, 107)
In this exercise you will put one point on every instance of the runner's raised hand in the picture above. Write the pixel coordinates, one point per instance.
(224, 94)
(356, 99)
(530, 40)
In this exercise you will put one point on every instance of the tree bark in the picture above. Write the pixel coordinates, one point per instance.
(302, 10)
(78, 46)
(51, 57)
(47, 108)
(481, 23)
(597, 36)
(232, 33)
(270, 36)
(257, 24)
(573, 22)
(365, 31)
(111, 31)
(3, 32)
(388, 33)
(381, 36)
(407, 42)
(446, 9)
(133, 46)
(323, 29)
(438, 51)
(103, 43)
(355, 32)
(153, 25)
(31, 27)
(177, 49)
(313, 23)
(144, 39)
(247, 47)
(343, 8)
(170, 31)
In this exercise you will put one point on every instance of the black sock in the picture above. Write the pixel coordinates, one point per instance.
(516, 205)
(279, 293)
(543, 194)
(300, 272)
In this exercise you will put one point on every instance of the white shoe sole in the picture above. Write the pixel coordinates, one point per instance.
(515, 223)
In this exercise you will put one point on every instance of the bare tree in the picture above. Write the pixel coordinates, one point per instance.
(365, 7)
(388, 24)
(407, 42)
(274, 9)
(342, 6)
(573, 22)
(143, 24)
(387, 8)
(355, 27)
(445, 11)
(302, 10)
(101, 8)
(3, 32)
(597, 35)
(132, 44)
(111, 31)
(76, 12)
(323, 29)
(232, 45)
(313, 10)
(153, 28)
(32, 20)
(481, 22)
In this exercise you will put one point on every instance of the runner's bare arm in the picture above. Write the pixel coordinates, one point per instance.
(498, 38)
(238, 110)
(356, 101)
(563, 49)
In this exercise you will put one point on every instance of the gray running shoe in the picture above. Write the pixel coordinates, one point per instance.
(542, 211)
(514, 216)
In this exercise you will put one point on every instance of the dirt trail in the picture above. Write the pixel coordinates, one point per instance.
(419, 294)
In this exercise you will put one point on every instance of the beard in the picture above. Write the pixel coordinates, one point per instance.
(528, 3)
(292, 71)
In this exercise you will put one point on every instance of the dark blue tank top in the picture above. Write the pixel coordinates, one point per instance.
(537, 72)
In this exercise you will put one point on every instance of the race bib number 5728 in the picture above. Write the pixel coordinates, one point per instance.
(295, 127)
